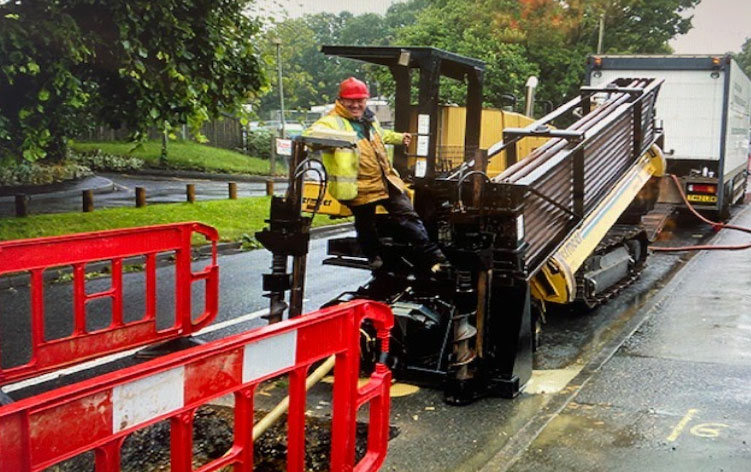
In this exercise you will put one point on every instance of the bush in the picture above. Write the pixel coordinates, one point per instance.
(34, 173)
(259, 142)
(97, 160)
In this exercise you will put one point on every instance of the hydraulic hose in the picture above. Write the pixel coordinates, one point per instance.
(717, 226)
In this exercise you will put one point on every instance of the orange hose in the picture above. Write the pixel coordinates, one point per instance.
(717, 226)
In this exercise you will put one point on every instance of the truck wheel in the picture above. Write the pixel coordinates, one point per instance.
(723, 214)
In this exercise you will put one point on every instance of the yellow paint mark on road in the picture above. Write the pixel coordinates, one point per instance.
(551, 381)
(682, 424)
(398, 389)
(708, 430)
(402, 390)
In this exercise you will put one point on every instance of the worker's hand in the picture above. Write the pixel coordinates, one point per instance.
(407, 139)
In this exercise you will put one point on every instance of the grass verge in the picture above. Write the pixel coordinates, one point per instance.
(185, 155)
(232, 218)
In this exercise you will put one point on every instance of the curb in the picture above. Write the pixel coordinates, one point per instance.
(104, 187)
(195, 174)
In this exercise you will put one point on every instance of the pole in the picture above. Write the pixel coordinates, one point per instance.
(272, 156)
(279, 82)
(529, 105)
(88, 201)
(140, 197)
(22, 204)
(601, 34)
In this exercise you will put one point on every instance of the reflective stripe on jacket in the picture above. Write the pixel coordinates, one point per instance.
(361, 177)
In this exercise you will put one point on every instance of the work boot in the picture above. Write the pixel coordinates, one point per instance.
(440, 265)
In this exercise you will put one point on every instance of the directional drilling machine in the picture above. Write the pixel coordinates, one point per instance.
(560, 225)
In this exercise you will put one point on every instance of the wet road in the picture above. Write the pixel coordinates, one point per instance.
(676, 395)
(595, 403)
(118, 190)
(240, 294)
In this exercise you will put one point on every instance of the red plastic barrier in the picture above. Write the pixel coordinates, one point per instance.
(99, 413)
(34, 256)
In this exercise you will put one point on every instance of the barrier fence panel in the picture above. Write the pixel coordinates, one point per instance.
(32, 257)
(97, 414)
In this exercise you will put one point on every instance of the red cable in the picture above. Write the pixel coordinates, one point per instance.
(717, 226)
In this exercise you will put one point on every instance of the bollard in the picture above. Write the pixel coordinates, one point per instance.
(233, 190)
(88, 201)
(140, 197)
(22, 204)
(190, 192)
(269, 187)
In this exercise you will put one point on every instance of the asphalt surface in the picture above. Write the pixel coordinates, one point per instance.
(118, 190)
(240, 294)
(675, 395)
(657, 379)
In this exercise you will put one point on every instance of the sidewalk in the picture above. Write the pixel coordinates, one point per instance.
(676, 396)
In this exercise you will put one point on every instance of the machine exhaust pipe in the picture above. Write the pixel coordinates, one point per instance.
(529, 103)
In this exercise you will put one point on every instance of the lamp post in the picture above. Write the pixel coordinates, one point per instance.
(278, 44)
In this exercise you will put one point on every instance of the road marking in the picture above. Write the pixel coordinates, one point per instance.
(708, 430)
(397, 389)
(682, 424)
(233, 321)
(552, 380)
(119, 355)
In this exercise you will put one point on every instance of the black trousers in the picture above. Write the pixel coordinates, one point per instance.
(407, 220)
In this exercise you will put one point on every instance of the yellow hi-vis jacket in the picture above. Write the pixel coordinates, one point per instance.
(361, 176)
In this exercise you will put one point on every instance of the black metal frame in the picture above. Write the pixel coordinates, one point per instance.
(431, 64)
(581, 162)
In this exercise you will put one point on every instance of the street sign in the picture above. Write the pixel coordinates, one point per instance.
(283, 147)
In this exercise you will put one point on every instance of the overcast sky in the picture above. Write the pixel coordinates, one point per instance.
(297, 8)
(719, 26)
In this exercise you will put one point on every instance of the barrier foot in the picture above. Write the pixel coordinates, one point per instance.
(158, 350)
(5, 399)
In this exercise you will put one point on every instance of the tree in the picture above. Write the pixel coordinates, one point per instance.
(744, 57)
(309, 77)
(547, 38)
(133, 64)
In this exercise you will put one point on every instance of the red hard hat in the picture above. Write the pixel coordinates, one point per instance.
(353, 89)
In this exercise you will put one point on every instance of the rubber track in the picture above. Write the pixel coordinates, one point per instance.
(616, 236)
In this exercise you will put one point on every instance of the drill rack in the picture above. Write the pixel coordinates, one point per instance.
(547, 194)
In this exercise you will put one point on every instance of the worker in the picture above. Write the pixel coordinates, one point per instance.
(365, 178)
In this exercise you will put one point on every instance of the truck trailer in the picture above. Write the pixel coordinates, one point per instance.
(705, 109)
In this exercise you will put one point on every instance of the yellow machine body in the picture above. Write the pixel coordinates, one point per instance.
(451, 131)
(556, 282)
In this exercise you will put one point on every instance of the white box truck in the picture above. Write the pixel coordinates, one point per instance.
(705, 109)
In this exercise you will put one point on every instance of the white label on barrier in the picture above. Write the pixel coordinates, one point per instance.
(144, 399)
(269, 355)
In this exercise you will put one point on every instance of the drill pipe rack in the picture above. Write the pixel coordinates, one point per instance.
(505, 229)
(543, 197)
